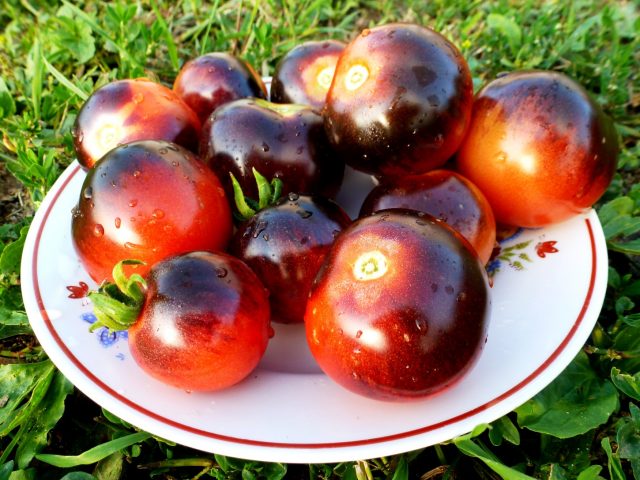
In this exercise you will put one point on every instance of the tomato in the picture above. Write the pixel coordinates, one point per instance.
(148, 200)
(285, 246)
(400, 101)
(400, 307)
(539, 148)
(128, 110)
(284, 141)
(445, 195)
(201, 323)
(211, 80)
(305, 73)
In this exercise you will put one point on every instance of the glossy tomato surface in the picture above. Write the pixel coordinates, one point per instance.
(214, 79)
(285, 246)
(400, 308)
(400, 101)
(280, 140)
(539, 148)
(148, 200)
(445, 195)
(204, 324)
(305, 73)
(125, 111)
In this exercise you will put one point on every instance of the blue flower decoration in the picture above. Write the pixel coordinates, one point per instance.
(105, 337)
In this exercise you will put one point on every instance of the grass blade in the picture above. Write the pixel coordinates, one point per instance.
(64, 80)
(94, 454)
(171, 46)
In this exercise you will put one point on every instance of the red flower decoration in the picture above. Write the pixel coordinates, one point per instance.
(543, 248)
(78, 291)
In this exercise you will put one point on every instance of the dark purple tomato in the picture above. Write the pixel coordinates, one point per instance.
(285, 246)
(445, 195)
(400, 307)
(125, 111)
(279, 140)
(539, 148)
(204, 324)
(148, 200)
(400, 101)
(209, 81)
(304, 74)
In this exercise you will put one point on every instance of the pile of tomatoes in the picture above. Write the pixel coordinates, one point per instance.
(207, 211)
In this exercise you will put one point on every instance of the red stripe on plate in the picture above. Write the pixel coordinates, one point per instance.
(248, 441)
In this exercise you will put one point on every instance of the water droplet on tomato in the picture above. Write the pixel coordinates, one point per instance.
(421, 324)
(117, 222)
(304, 213)
(265, 147)
(98, 230)
(87, 193)
(358, 333)
(136, 173)
(163, 151)
(293, 196)
(157, 213)
(133, 203)
(138, 98)
(221, 272)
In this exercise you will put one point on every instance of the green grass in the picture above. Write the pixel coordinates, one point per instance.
(53, 55)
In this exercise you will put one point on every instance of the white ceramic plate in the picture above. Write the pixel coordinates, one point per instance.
(548, 289)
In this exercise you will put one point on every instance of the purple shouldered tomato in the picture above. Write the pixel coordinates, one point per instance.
(400, 307)
(125, 111)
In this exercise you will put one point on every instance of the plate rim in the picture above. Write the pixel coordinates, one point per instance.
(262, 449)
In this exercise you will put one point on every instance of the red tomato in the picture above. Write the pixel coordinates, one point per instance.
(539, 148)
(399, 308)
(445, 195)
(204, 324)
(128, 110)
(148, 200)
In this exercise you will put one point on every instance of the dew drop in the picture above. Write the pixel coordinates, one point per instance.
(293, 196)
(138, 98)
(358, 333)
(163, 151)
(265, 147)
(133, 203)
(87, 193)
(117, 222)
(98, 230)
(221, 272)
(304, 213)
(157, 213)
(136, 173)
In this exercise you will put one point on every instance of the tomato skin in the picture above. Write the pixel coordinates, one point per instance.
(125, 111)
(280, 140)
(211, 80)
(148, 200)
(204, 325)
(400, 308)
(285, 246)
(400, 101)
(304, 74)
(445, 195)
(539, 148)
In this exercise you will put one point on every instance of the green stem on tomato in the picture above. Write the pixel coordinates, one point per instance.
(268, 194)
(117, 305)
